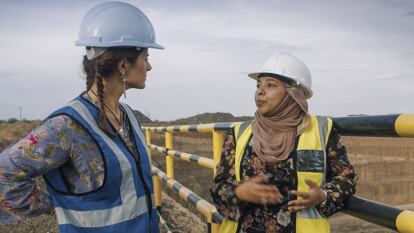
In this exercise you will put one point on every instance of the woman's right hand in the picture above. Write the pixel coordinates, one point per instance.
(256, 191)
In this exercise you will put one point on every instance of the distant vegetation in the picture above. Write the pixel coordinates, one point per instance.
(15, 120)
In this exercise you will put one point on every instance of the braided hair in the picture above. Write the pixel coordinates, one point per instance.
(101, 68)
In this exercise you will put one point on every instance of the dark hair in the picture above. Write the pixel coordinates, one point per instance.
(279, 77)
(103, 67)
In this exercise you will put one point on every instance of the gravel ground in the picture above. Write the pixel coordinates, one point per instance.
(41, 224)
(179, 219)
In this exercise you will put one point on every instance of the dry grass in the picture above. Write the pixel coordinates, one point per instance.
(11, 132)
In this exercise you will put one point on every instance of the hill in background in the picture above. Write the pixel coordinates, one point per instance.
(141, 117)
(211, 118)
(196, 119)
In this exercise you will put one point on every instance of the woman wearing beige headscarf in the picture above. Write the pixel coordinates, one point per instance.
(286, 171)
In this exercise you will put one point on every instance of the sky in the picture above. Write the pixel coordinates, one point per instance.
(360, 54)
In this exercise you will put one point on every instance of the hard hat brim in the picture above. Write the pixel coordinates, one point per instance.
(255, 76)
(119, 44)
(285, 79)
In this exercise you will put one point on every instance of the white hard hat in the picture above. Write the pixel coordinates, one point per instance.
(116, 24)
(288, 68)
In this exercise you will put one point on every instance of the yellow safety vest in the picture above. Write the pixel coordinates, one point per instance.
(311, 164)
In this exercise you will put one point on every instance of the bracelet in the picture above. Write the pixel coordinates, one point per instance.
(325, 199)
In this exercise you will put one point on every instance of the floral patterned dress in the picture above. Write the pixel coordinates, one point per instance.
(341, 182)
(59, 142)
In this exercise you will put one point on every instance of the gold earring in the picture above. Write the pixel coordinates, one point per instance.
(123, 77)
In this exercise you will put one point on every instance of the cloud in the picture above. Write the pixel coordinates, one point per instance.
(7, 74)
(409, 14)
(210, 48)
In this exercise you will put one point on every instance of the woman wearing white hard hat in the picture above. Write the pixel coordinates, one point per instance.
(91, 152)
(286, 171)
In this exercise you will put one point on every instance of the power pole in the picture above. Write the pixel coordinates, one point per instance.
(21, 109)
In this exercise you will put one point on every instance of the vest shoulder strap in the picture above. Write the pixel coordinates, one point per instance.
(243, 132)
(137, 127)
(324, 128)
(239, 128)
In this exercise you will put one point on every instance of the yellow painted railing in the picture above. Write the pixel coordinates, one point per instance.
(383, 126)
(217, 130)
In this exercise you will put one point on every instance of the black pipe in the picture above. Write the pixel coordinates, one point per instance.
(378, 126)
(374, 212)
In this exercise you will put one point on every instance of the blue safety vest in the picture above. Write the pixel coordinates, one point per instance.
(125, 202)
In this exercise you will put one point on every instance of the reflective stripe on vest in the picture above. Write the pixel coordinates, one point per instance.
(311, 164)
(136, 127)
(131, 206)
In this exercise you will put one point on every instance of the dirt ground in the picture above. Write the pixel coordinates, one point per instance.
(179, 219)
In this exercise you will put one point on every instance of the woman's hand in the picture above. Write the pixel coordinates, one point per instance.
(314, 196)
(255, 191)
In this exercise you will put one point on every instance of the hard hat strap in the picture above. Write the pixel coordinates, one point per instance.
(94, 52)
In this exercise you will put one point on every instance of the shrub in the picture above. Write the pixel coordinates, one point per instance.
(12, 120)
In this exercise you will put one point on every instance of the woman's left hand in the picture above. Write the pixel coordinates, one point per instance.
(312, 197)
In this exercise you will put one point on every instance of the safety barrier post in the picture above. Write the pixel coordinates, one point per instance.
(215, 228)
(148, 138)
(218, 140)
(169, 159)
(157, 192)
(155, 179)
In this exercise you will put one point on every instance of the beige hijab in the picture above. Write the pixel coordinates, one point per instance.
(274, 134)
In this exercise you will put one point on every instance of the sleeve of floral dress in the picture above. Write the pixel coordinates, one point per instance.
(40, 151)
(341, 177)
(224, 183)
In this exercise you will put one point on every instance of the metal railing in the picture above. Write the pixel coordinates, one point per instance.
(201, 205)
(163, 224)
(397, 125)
